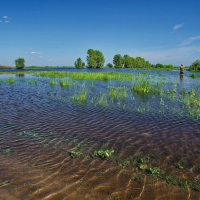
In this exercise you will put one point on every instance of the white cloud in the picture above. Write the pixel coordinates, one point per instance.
(36, 53)
(177, 26)
(5, 19)
(190, 40)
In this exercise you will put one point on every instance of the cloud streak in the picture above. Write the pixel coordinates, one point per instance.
(190, 40)
(177, 26)
(36, 53)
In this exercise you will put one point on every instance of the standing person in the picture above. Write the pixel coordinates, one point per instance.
(182, 69)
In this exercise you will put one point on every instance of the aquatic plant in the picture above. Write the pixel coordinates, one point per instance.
(104, 154)
(10, 81)
(53, 83)
(80, 98)
(100, 76)
(195, 76)
(146, 88)
(117, 93)
(75, 153)
(33, 82)
(65, 83)
(123, 163)
(102, 101)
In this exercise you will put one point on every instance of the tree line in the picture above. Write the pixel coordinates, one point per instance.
(96, 59)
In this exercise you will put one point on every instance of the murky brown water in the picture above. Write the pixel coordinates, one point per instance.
(38, 165)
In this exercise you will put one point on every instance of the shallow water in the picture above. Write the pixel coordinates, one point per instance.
(40, 124)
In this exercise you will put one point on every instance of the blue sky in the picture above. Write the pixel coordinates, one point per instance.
(56, 32)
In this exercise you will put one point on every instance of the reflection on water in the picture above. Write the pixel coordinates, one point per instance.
(40, 124)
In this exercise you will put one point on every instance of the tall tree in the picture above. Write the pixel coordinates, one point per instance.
(127, 61)
(20, 63)
(95, 59)
(118, 61)
(79, 63)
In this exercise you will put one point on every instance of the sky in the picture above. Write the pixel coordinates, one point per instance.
(57, 32)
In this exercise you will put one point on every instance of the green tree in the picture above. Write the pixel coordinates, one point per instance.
(79, 63)
(195, 66)
(95, 59)
(127, 61)
(118, 61)
(109, 65)
(20, 63)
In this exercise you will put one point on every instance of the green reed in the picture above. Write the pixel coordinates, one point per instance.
(100, 76)
(144, 87)
(10, 81)
(117, 93)
(53, 83)
(80, 98)
(65, 83)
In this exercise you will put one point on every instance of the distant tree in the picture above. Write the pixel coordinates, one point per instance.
(109, 65)
(20, 63)
(79, 63)
(195, 66)
(118, 61)
(127, 61)
(95, 59)
(159, 65)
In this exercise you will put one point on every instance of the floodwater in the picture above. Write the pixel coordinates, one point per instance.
(40, 124)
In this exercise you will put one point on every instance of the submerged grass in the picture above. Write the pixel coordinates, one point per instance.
(100, 76)
(143, 165)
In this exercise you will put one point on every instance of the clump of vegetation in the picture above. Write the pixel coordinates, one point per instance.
(53, 83)
(80, 98)
(145, 88)
(195, 76)
(65, 83)
(77, 152)
(104, 154)
(123, 163)
(117, 93)
(10, 81)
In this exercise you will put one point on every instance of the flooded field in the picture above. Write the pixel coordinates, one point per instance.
(99, 135)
